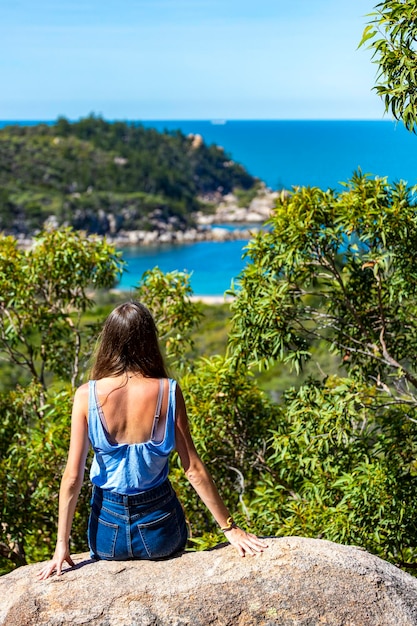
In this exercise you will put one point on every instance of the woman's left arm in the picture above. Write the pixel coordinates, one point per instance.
(71, 483)
(201, 480)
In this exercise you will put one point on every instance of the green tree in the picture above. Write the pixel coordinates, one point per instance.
(230, 420)
(43, 333)
(100, 176)
(336, 459)
(342, 468)
(392, 36)
(338, 269)
(168, 297)
(43, 294)
(34, 440)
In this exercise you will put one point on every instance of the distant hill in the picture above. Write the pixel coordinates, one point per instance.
(102, 176)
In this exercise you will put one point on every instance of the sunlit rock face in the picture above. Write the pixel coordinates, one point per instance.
(295, 582)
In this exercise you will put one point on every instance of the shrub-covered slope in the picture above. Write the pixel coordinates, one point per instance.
(100, 176)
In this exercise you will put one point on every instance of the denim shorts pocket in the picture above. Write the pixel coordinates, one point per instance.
(102, 537)
(161, 536)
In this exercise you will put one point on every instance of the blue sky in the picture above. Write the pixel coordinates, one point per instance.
(186, 59)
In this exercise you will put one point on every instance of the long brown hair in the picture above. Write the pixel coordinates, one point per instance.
(129, 343)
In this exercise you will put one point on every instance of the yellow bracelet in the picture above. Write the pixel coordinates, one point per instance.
(230, 524)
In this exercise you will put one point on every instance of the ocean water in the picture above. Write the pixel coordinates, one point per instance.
(310, 153)
(283, 154)
(212, 264)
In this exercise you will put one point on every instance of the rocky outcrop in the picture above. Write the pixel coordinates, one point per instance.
(220, 225)
(208, 225)
(192, 235)
(228, 210)
(296, 582)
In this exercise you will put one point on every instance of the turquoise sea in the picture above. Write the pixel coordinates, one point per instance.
(212, 264)
(315, 153)
(283, 154)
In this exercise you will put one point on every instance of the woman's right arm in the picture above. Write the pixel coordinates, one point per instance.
(71, 483)
(201, 480)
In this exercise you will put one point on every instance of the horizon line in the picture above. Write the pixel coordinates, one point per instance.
(214, 121)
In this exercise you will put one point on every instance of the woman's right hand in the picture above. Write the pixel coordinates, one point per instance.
(244, 542)
(61, 555)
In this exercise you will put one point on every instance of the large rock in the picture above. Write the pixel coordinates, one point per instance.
(296, 582)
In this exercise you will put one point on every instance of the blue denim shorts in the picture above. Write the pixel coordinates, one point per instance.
(148, 525)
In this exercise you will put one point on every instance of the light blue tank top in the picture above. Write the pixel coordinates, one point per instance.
(129, 468)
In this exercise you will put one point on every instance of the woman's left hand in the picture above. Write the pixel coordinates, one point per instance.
(245, 543)
(61, 555)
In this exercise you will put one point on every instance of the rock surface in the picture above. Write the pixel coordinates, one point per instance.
(228, 209)
(296, 582)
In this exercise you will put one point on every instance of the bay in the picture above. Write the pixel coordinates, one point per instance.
(213, 264)
(282, 153)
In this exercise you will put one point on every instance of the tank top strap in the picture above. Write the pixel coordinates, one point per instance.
(91, 393)
(93, 408)
(95, 425)
(158, 409)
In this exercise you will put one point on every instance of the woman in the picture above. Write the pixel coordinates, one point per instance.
(134, 416)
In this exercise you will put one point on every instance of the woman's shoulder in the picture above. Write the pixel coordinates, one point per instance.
(81, 393)
(80, 401)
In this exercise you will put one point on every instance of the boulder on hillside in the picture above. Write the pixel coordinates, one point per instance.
(295, 582)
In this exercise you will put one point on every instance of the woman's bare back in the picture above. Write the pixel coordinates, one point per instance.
(129, 407)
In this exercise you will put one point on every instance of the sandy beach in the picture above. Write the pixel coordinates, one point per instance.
(212, 299)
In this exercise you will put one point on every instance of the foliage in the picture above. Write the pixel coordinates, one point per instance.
(339, 268)
(100, 176)
(43, 294)
(343, 470)
(334, 459)
(34, 439)
(168, 297)
(392, 35)
(229, 420)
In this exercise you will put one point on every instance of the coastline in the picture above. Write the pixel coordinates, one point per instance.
(135, 238)
(228, 222)
(212, 300)
(204, 299)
